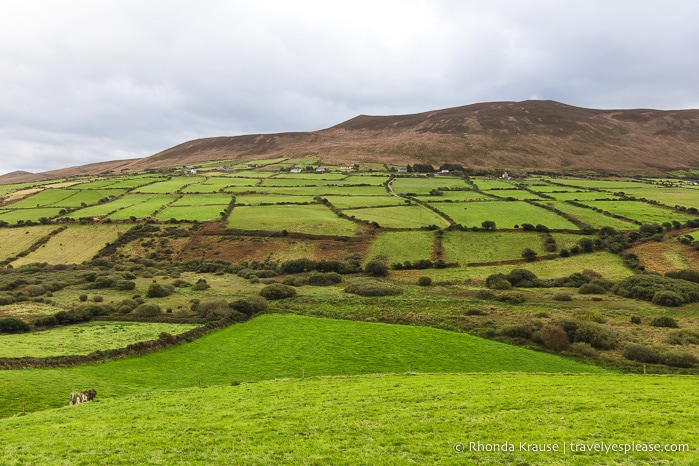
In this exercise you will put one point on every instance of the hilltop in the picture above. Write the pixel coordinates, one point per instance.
(530, 136)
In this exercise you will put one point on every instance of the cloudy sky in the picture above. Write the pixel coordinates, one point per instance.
(93, 80)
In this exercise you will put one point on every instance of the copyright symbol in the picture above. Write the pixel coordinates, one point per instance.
(459, 447)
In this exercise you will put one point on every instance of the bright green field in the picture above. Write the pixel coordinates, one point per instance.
(277, 346)
(15, 215)
(518, 194)
(314, 219)
(199, 213)
(456, 196)
(257, 199)
(401, 246)
(615, 185)
(393, 419)
(505, 214)
(170, 186)
(214, 184)
(312, 176)
(106, 208)
(668, 196)
(284, 182)
(640, 211)
(45, 198)
(84, 338)
(486, 184)
(583, 196)
(423, 185)
(466, 246)
(149, 205)
(349, 202)
(413, 216)
(591, 217)
(203, 200)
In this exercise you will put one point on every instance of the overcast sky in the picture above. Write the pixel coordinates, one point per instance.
(84, 81)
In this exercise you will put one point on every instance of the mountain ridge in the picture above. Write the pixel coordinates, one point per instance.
(533, 135)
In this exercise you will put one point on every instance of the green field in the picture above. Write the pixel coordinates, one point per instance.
(147, 205)
(456, 196)
(74, 245)
(488, 184)
(16, 215)
(401, 246)
(392, 419)
(413, 216)
(466, 247)
(192, 213)
(271, 198)
(616, 185)
(203, 200)
(668, 196)
(591, 217)
(16, 240)
(518, 194)
(84, 338)
(106, 208)
(505, 214)
(640, 211)
(423, 185)
(278, 346)
(170, 186)
(351, 202)
(314, 219)
(216, 184)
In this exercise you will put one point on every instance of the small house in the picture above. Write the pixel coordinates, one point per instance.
(253, 165)
(320, 170)
(295, 170)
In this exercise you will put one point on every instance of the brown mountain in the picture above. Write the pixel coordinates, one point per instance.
(527, 136)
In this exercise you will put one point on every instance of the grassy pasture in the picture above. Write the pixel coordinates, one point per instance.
(199, 213)
(310, 176)
(350, 202)
(401, 246)
(668, 196)
(488, 184)
(203, 200)
(467, 246)
(15, 240)
(372, 420)
(131, 182)
(84, 338)
(215, 184)
(45, 198)
(456, 196)
(15, 215)
(271, 198)
(314, 219)
(615, 185)
(106, 208)
(583, 196)
(413, 216)
(75, 244)
(276, 346)
(518, 194)
(172, 185)
(286, 182)
(423, 185)
(640, 211)
(591, 217)
(360, 179)
(147, 206)
(505, 214)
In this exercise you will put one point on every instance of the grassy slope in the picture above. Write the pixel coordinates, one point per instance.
(273, 346)
(397, 419)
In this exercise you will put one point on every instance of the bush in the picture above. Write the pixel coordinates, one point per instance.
(324, 279)
(512, 298)
(13, 325)
(583, 349)
(82, 298)
(215, 309)
(201, 285)
(6, 299)
(640, 353)
(667, 298)
(250, 305)
(156, 290)
(125, 285)
(645, 287)
(554, 337)
(635, 320)
(376, 268)
(687, 274)
(372, 288)
(485, 295)
(522, 278)
(562, 297)
(596, 335)
(515, 331)
(48, 321)
(685, 336)
(678, 359)
(498, 281)
(424, 281)
(34, 290)
(591, 288)
(529, 254)
(296, 281)
(104, 282)
(147, 310)
(277, 291)
(664, 321)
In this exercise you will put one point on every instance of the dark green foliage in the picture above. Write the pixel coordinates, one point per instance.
(201, 285)
(296, 281)
(512, 298)
(277, 291)
(125, 285)
(528, 227)
(424, 281)
(34, 290)
(596, 335)
(13, 325)
(485, 295)
(48, 321)
(640, 353)
(664, 321)
(82, 298)
(156, 290)
(515, 331)
(591, 288)
(104, 282)
(147, 310)
(522, 278)
(498, 281)
(635, 320)
(687, 274)
(376, 268)
(179, 283)
(562, 297)
(250, 305)
(685, 336)
(488, 225)
(667, 298)
(529, 254)
(6, 299)
(368, 287)
(645, 287)
(298, 266)
(586, 244)
(678, 359)
(324, 279)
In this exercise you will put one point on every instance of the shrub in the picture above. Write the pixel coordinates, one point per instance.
(685, 336)
(678, 359)
(215, 309)
(201, 285)
(485, 295)
(424, 281)
(645, 286)
(82, 298)
(376, 268)
(372, 288)
(554, 337)
(13, 325)
(640, 353)
(562, 297)
(250, 305)
(97, 298)
(48, 321)
(596, 335)
(583, 349)
(34, 290)
(664, 321)
(512, 298)
(687, 274)
(522, 278)
(296, 281)
(156, 290)
(179, 283)
(498, 281)
(591, 288)
(277, 291)
(104, 282)
(147, 310)
(529, 254)
(635, 320)
(6, 299)
(515, 331)
(667, 298)
(125, 285)
(324, 279)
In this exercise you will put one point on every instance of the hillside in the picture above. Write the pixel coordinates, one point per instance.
(529, 135)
